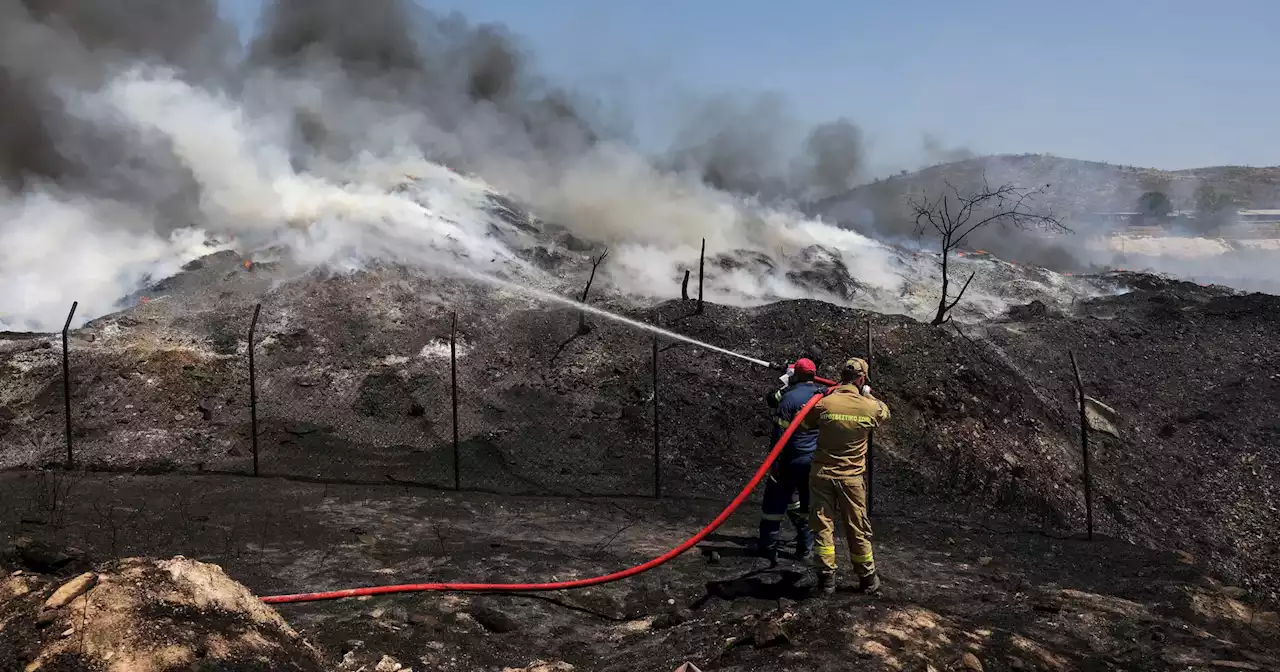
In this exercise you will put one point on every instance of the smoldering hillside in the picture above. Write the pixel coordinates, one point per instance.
(142, 153)
(139, 144)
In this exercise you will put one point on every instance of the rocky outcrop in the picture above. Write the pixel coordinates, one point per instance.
(143, 615)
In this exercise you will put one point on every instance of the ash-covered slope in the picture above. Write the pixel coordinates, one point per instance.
(1193, 373)
(353, 379)
(353, 376)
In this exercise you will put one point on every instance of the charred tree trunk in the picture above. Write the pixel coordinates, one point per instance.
(944, 310)
(942, 301)
(684, 287)
(955, 215)
(945, 306)
(583, 328)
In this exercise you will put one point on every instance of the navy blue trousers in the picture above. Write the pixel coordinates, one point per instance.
(786, 496)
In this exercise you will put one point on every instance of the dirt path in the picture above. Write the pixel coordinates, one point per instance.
(1013, 600)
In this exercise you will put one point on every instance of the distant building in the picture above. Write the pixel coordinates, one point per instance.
(1114, 217)
(1258, 216)
(1136, 222)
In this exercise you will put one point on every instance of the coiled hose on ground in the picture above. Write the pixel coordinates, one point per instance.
(577, 583)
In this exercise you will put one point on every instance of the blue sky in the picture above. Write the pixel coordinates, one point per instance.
(1164, 83)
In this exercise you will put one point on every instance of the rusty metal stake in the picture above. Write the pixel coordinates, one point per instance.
(871, 435)
(453, 384)
(1084, 448)
(657, 435)
(702, 258)
(66, 383)
(253, 391)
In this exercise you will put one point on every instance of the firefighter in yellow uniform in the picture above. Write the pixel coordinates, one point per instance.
(844, 420)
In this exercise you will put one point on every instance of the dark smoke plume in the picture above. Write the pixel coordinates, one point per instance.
(394, 50)
(833, 159)
(936, 151)
(189, 34)
(332, 93)
(26, 144)
(51, 47)
(755, 147)
(737, 145)
(376, 40)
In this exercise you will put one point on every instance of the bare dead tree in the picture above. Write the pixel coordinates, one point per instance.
(684, 286)
(582, 315)
(953, 215)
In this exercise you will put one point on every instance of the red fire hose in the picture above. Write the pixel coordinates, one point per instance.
(578, 583)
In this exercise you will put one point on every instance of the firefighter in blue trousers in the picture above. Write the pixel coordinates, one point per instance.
(789, 475)
(814, 354)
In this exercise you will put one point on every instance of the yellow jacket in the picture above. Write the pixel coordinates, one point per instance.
(844, 419)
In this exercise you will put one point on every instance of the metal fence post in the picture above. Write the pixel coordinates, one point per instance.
(702, 260)
(871, 435)
(253, 391)
(453, 385)
(1084, 448)
(657, 436)
(66, 383)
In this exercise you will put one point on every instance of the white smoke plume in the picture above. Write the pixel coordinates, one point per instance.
(60, 246)
(330, 144)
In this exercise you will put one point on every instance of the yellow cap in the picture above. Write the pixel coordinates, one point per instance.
(857, 366)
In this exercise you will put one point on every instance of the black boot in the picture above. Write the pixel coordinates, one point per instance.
(804, 545)
(767, 551)
(827, 582)
(869, 584)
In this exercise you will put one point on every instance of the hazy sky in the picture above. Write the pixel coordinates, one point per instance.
(1164, 83)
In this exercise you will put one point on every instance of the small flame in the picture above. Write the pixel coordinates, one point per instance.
(146, 299)
(248, 265)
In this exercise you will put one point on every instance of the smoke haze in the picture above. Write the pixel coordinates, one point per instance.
(140, 137)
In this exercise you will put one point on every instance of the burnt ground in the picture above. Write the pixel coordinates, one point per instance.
(1195, 377)
(353, 376)
(1014, 600)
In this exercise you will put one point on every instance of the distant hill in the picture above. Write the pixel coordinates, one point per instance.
(1075, 186)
